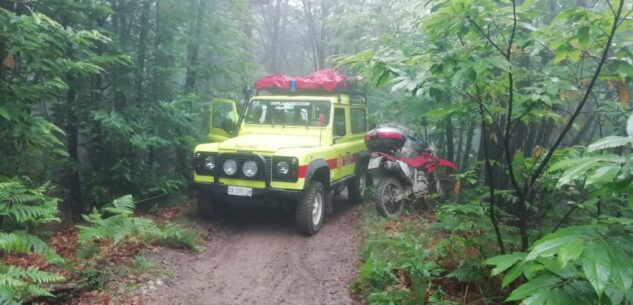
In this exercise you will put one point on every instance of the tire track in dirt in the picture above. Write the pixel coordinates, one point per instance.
(255, 256)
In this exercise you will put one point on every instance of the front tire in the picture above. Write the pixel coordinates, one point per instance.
(388, 198)
(311, 209)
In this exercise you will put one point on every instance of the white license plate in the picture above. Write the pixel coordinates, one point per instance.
(240, 191)
(374, 163)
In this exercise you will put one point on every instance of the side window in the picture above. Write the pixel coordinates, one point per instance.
(339, 122)
(359, 120)
(223, 116)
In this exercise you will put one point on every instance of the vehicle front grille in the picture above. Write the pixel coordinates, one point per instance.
(269, 166)
(263, 166)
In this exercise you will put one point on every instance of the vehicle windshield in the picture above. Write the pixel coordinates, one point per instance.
(288, 113)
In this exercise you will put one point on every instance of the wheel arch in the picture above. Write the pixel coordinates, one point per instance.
(318, 170)
(362, 161)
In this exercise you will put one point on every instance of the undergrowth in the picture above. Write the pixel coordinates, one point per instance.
(419, 259)
(111, 235)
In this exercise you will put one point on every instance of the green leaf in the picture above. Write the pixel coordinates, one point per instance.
(5, 114)
(609, 142)
(570, 252)
(549, 246)
(603, 174)
(563, 164)
(622, 274)
(503, 262)
(513, 273)
(383, 78)
(615, 295)
(576, 172)
(537, 284)
(597, 265)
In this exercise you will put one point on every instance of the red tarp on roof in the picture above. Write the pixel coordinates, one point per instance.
(327, 79)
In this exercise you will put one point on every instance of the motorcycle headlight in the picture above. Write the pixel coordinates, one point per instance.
(209, 163)
(249, 169)
(283, 168)
(230, 167)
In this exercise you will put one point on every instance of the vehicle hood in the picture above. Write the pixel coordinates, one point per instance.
(268, 143)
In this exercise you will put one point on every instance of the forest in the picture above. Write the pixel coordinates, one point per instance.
(103, 101)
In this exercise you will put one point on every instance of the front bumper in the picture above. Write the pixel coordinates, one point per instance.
(258, 193)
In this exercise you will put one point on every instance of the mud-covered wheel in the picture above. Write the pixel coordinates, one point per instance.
(357, 187)
(436, 185)
(207, 207)
(311, 209)
(388, 197)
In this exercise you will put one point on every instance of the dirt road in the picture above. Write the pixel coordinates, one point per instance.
(255, 256)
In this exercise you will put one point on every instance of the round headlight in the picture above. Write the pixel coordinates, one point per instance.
(283, 168)
(249, 169)
(230, 167)
(209, 163)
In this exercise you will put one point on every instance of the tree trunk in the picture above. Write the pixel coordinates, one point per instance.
(469, 144)
(194, 46)
(488, 174)
(460, 144)
(120, 25)
(273, 66)
(142, 49)
(74, 203)
(450, 147)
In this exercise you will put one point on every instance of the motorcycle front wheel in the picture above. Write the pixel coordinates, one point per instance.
(388, 197)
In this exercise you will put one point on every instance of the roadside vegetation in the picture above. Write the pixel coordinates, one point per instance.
(96, 136)
(531, 99)
(102, 101)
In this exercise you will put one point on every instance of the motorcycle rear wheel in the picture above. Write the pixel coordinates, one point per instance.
(388, 197)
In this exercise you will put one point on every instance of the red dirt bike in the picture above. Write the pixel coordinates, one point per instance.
(403, 165)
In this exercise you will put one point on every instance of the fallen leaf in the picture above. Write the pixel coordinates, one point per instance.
(8, 62)
(537, 151)
(623, 93)
(457, 187)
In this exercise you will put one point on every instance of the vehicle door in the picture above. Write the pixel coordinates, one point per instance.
(343, 144)
(223, 117)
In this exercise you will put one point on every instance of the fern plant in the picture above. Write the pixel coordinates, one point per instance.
(22, 208)
(18, 284)
(116, 222)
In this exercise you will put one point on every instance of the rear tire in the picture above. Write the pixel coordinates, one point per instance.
(357, 187)
(388, 197)
(311, 209)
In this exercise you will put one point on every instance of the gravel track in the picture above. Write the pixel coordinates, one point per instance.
(255, 256)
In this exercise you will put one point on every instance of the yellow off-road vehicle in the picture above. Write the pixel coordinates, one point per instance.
(287, 149)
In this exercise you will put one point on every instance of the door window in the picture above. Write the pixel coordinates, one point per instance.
(359, 120)
(339, 122)
(223, 116)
